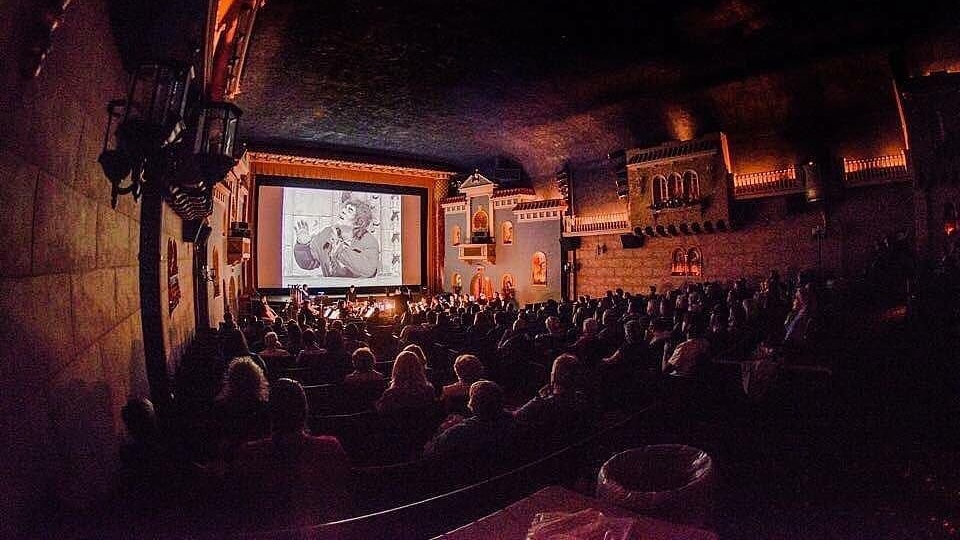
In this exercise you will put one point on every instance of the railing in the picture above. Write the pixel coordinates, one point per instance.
(595, 225)
(876, 170)
(447, 511)
(766, 184)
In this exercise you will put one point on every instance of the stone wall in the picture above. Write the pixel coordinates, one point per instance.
(179, 325)
(778, 236)
(69, 283)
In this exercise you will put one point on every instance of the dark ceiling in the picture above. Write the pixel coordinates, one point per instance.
(464, 81)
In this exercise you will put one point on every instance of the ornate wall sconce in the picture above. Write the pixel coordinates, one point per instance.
(157, 136)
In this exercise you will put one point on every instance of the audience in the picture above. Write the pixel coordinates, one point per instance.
(476, 353)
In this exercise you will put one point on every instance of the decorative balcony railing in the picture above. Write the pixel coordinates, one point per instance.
(595, 225)
(767, 184)
(876, 170)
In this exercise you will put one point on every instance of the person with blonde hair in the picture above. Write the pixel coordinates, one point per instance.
(417, 350)
(240, 411)
(409, 387)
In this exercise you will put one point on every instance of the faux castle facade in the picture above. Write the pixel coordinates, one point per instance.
(502, 240)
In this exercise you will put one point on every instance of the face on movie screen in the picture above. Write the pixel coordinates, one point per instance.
(337, 238)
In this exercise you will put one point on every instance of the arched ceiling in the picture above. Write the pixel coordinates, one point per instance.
(541, 82)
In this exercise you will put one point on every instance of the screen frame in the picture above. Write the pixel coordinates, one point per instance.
(345, 185)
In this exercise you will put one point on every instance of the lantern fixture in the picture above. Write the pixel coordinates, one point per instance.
(156, 103)
(156, 136)
(214, 140)
(113, 160)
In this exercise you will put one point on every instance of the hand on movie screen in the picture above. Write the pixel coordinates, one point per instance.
(337, 244)
(302, 232)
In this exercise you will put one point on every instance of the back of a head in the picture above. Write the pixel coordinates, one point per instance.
(408, 371)
(563, 376)
(244, 381)
(271, 340)
(418, 351)
(468, 368)
(309, 337)
(334, 340)
(351, 331)
(486, 399)
(553, 324)
(363, 359)
(288, 406)
(234, 344)
(590, 326)
(293, 330)
(140, 418)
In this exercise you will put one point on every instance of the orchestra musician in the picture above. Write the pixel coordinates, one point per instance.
(352, 294)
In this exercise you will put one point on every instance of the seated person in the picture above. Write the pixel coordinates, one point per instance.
(291, 478)
(365, 384)
(409, 388)
(265, 311)
(548, 345)
(336, 362)
(486, 441)
(501, 320)
(469, 369)
(240, 412)
(353, 338)
(588, 348)
(633, 352)
(560, 413)
(312, 353)
(688, 356)
(516, 342)
(144, 462)
(273, 355)
(233, 344)
(228, 322)
(660, 340)
(797, 324)
(611, 334)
